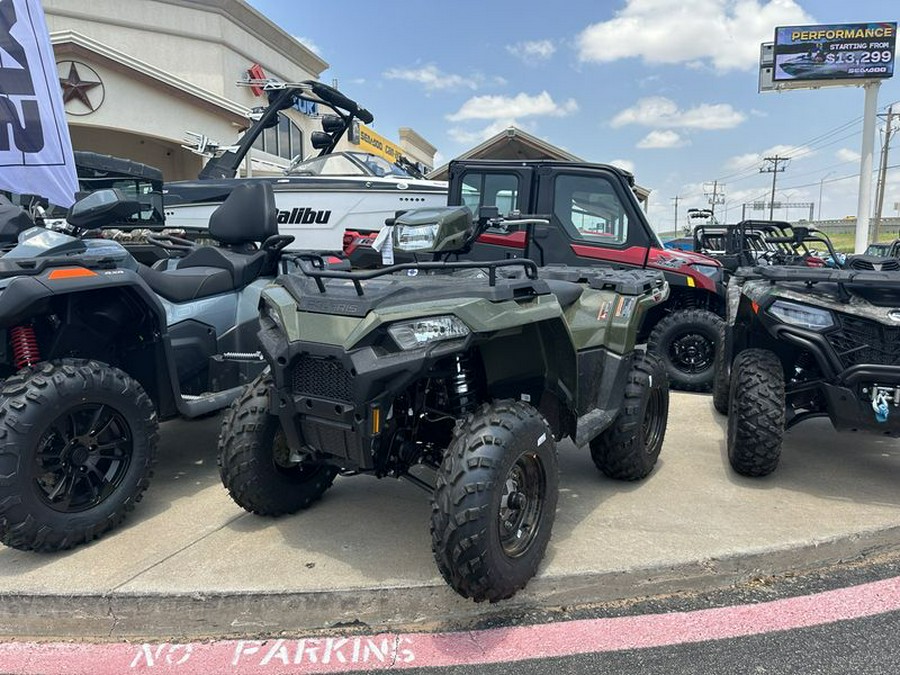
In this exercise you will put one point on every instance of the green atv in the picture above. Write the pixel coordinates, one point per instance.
(458, 376)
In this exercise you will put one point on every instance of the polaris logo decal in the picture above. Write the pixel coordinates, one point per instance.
(303, 216)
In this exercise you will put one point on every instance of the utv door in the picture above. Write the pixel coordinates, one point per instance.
(593, 218)
(507, 188)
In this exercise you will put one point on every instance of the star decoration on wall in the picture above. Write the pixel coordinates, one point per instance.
(76, 89)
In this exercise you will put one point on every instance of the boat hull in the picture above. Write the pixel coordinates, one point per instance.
(315, 211)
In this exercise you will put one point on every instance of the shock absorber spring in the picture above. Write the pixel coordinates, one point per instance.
(461, 385)
(24, 346)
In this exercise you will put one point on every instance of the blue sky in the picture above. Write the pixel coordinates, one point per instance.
(666, 88)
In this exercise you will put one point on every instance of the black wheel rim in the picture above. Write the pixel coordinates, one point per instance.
(83, 457)
(522, 504)
(653, 424)
(692, 353)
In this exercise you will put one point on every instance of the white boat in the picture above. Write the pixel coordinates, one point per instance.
(319, 200)
(323, 201)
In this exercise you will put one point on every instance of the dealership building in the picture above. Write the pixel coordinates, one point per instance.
(136, 82)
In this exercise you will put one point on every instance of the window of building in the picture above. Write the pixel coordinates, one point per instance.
(285, 139)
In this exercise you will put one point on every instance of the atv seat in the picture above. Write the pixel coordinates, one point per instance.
(246, 217)
(566, 292)
(188, 284)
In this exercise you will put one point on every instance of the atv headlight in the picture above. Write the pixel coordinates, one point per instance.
(413, 238)
(707, 270)
(813, 318)
(412, 334)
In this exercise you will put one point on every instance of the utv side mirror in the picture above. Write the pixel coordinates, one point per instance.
(433, 230)
(101, 208)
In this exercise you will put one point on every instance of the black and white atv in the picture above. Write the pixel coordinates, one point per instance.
(806, 342)
(96, 349)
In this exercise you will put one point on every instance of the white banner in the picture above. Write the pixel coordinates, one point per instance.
(35, 148)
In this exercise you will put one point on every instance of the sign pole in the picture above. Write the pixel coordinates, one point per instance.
(864, 205)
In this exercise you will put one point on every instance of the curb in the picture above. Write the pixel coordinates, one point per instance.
(123, 616)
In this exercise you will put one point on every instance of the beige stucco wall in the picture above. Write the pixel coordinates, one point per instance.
(183, 60)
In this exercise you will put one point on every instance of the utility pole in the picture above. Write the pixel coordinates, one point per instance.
(717, 196)
(875, 225)
(772, 168)
(675, 199)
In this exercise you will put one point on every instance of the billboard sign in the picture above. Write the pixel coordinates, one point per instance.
(850, 51)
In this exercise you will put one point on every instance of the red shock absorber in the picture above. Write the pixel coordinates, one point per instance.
(24, 346)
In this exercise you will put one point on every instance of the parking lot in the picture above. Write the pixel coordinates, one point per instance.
(189, 562)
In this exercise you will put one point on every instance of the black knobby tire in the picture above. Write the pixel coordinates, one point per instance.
(251, 443)
(756, 412)
(721, 379)
(686, 340)
(495, 501)
(629, 448)
(77, 448)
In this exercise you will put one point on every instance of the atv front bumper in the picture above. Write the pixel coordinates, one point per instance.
(850, 403)
(336, 404)
(846, 387)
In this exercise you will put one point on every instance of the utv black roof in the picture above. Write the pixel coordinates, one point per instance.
(538, 163)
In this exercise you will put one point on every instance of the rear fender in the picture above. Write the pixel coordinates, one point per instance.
(108, 307)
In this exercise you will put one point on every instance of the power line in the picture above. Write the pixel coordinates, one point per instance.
(752, 165)
(774, 170)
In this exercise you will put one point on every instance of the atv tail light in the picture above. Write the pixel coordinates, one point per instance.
(412, 334)
(804, 316)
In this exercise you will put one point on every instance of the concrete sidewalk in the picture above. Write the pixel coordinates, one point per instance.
(190, 563)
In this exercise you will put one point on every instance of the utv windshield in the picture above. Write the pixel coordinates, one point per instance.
(346, 164)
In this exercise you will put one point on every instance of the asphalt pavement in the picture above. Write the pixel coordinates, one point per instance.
(190, 563)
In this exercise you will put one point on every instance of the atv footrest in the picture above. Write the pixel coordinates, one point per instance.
(592, 424)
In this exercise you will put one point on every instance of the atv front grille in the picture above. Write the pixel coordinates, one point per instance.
(322, 378)
(872, 264)
(862, 341)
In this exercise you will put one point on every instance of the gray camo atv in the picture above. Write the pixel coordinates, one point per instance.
(458, 376)
(805, 342)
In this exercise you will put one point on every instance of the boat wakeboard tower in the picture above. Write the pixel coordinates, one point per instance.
(281, 96)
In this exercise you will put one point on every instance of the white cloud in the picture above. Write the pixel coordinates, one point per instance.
(723, 33)
(664, 113)
(432, 78)
(533, 51)
(753, 160)
(505, 107)
(847, 155)
(661, 139)
(309, 44)
(626, 164)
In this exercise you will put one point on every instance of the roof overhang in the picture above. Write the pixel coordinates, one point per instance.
(516, 144)
(73, 44)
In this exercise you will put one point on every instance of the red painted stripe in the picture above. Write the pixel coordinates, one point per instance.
(413, 650)
(633, 255)
(511, 240)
